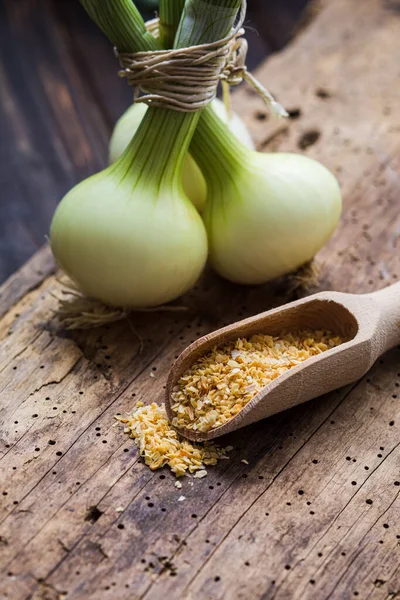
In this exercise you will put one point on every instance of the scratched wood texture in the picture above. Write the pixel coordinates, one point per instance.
(316, 512)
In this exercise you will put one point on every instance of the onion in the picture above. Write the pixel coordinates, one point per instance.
(193, 181)
(270, 216)
(126, 240)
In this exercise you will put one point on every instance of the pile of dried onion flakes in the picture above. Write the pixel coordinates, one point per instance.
(159, 444)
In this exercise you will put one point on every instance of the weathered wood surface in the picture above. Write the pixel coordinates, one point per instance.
(316, 512)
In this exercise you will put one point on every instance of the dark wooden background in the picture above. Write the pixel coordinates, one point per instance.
(59, 99)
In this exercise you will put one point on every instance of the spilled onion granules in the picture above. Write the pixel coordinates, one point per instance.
(224, 380)
(159, 444)
(213, 391)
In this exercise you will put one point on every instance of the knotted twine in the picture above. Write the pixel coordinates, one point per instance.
(186, 79)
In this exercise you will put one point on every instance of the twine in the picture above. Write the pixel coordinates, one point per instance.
(186, 79)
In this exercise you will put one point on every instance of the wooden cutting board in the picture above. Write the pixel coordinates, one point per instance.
(315, 513)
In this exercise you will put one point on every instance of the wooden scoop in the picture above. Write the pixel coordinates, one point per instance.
(369, 324)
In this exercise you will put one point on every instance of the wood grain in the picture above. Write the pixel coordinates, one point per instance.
(315, 513)
(53, 129)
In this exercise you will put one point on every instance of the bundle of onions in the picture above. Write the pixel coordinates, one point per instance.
(130, 237)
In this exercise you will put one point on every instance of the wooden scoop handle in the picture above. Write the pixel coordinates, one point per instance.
(388, 303)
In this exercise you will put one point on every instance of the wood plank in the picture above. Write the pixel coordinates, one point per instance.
(26, 279)
(327, 473)
(53, 132)
(274, 21)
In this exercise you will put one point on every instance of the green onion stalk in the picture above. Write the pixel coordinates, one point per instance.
(193, 180)
(128, 235)
(266, 214)
(170, 14)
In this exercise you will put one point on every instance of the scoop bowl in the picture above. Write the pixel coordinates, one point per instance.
(368, 323)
